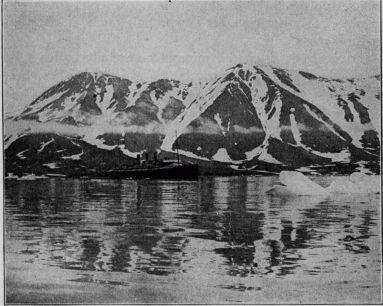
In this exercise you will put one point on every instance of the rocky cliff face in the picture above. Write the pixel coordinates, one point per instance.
(249, 119)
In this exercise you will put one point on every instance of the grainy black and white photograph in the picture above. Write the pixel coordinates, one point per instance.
(192, 152)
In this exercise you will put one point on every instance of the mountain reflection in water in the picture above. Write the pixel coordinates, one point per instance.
(216, 227)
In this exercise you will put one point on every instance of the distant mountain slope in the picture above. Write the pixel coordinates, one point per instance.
(250, 118)
(89, 97)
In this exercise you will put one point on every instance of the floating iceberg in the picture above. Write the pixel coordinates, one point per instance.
(357, 183)
(296, 183)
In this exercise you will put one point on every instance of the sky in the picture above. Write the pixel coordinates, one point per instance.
(47, 42)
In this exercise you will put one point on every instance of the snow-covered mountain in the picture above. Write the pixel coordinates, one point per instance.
(88, 98)
(249, 118)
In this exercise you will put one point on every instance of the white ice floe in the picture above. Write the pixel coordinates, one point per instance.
(357, 183)
(296, 183)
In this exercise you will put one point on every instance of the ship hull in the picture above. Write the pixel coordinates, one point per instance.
(179, 172)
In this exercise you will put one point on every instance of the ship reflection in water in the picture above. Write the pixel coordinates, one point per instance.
(222, 233)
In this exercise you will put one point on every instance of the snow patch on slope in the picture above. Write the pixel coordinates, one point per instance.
(318, 93)
(127, 152)
(262, 154)
(21, 154)
(74, 156)
(179, 125)
(218, 119)
(222, 156)
(192, 155)
(11, 139)
(44, 144)
(92, 139)
(362, 167)
(266, 157)
(42, 103)
(343, 156)
(270, 122)
(51, 165)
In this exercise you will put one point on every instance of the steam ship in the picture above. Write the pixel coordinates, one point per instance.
(157, 169)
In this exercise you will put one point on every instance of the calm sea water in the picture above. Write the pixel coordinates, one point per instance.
(221, 239)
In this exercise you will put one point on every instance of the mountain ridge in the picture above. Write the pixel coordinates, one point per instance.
(246, 116)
